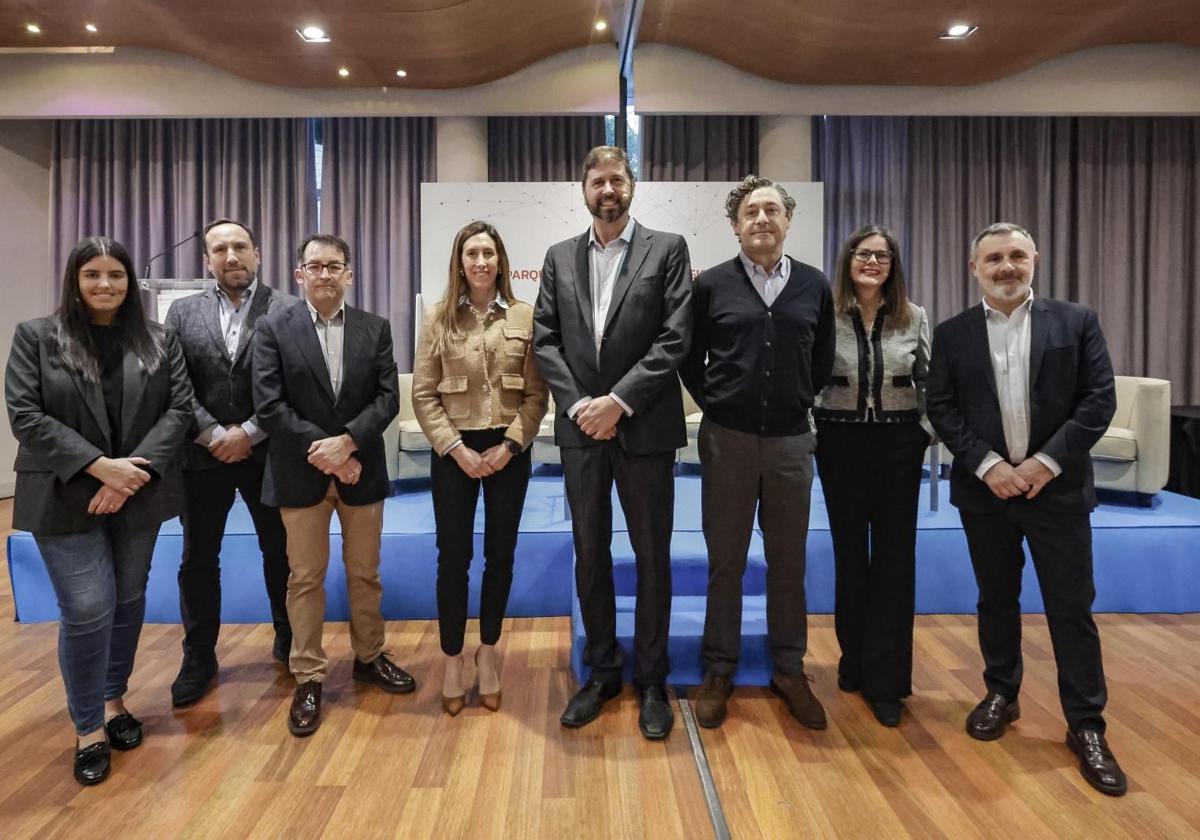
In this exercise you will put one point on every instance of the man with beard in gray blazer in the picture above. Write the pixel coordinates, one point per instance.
(613, 323)
(227, 450)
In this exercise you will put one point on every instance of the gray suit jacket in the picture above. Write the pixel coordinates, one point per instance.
(223, 386)
(646, 338)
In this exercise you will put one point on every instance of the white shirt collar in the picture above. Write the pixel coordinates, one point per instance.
(1026, 304)
(316, 316)
(626, 234)
(247, 293)
(781, 269)
(464, 300)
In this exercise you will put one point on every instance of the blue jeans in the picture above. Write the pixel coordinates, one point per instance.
(100, 578)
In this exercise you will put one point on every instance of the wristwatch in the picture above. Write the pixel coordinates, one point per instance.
(514, 448)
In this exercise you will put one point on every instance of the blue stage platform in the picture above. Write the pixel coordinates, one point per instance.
(1145, 561)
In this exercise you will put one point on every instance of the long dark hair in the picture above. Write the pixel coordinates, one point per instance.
(72, 346)
(895, 297)
(445, 319)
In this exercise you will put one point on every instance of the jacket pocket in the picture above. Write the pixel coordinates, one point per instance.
(516, 341)
(512, 391)
(454, 396)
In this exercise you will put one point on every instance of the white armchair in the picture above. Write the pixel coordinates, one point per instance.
(407, 449)
(692, 415)
(1135, 453)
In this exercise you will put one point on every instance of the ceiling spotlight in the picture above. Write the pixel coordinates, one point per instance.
(402, 73)
(958, 31)
(33, 29)
(91, 27)
(601, 25)
(313, 35)
(343, 72)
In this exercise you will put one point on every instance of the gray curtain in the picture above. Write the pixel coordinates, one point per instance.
(1113, 202)
(151, 183)
(540, 148)
(698, 148)
(372, 171)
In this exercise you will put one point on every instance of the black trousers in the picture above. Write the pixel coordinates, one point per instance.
(1061, 547)
(455, 495)
(209, 495)
(871, 477)
(646, 489)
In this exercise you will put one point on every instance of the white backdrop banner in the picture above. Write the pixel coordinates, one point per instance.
(533, 216)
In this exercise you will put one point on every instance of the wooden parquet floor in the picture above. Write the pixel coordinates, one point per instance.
(387, 766)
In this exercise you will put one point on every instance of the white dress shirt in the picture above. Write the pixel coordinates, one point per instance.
(233, 322)
(331, 333)
(767, 284)
(1008, 345)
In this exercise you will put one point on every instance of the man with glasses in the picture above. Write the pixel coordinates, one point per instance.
(1020, 389)
(762, 349)
(326, 389)
(227, 453)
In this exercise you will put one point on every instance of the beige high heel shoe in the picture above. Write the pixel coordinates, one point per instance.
(452, 704)
(488, 701)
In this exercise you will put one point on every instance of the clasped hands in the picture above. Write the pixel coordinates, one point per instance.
(481, 464)
(120, 478)
(232, 446)
(335, 456)
(1026, 479)
(598, 417)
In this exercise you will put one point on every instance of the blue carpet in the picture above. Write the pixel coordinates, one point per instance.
(1143, 560)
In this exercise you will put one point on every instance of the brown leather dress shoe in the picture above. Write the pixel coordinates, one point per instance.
(801, 702)
(712, 700)
(386, 674)
(988, 719)
(1096, 762)
(305, 716)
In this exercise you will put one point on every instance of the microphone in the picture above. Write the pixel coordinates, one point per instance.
(146, 270)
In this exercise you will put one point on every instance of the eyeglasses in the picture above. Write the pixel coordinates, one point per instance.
(314, 269)
(864, 255)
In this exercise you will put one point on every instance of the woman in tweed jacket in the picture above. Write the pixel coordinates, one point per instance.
(871, 440)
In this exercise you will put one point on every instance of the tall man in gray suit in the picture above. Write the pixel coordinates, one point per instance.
(227, 451)
(613, 323)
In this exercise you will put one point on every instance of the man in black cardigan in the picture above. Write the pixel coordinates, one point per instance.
(762, 349)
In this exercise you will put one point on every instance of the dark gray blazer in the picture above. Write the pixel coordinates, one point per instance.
(646, 338)
(295, 403)
(1072, 400)
(61, 426)
(223, 386)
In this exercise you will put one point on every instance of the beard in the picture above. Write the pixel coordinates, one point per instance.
(611, 214)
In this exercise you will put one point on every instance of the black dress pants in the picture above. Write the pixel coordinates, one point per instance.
(209, 495)
(455, 496)
(646, 489)
(871, 478)
(1061, 547)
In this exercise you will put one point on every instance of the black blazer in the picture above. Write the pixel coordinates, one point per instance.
(294, 401)
(61, 425)
(222, 385)
(645, 340)
(1071, 402)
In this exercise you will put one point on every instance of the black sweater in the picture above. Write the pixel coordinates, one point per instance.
(757, 369)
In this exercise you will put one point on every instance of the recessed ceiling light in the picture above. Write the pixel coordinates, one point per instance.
(402, 73)
(959, 31)
(343, 72)
(33, 29)
(601, 25)
(91, 27)
(313, 35)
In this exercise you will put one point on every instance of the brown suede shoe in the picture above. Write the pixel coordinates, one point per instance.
(800, 700)
(711, 700)
(305, 715)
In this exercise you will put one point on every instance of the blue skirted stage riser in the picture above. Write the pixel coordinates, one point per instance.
(1144, 562)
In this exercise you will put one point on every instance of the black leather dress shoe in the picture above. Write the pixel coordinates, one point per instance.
(1096, 762)
(305, 714)
(887, 712)
(386, 674)
(124, 731)
(282, 648)
(988, 720)
(656, 718)
(92, 763)
(195, 677)
(846, 684)
(585, 706)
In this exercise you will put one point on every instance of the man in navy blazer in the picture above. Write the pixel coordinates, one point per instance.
(325, 390)
(1020, 388)
(227, 449)
(613, 323)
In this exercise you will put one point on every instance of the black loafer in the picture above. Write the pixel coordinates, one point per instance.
(195, 677)
(585, 706)
(384, 673)
(989, 719)
(92, 763)
(887, 712)
(846, 684)
(124, 731)
(656, 718)
(1097, 764)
